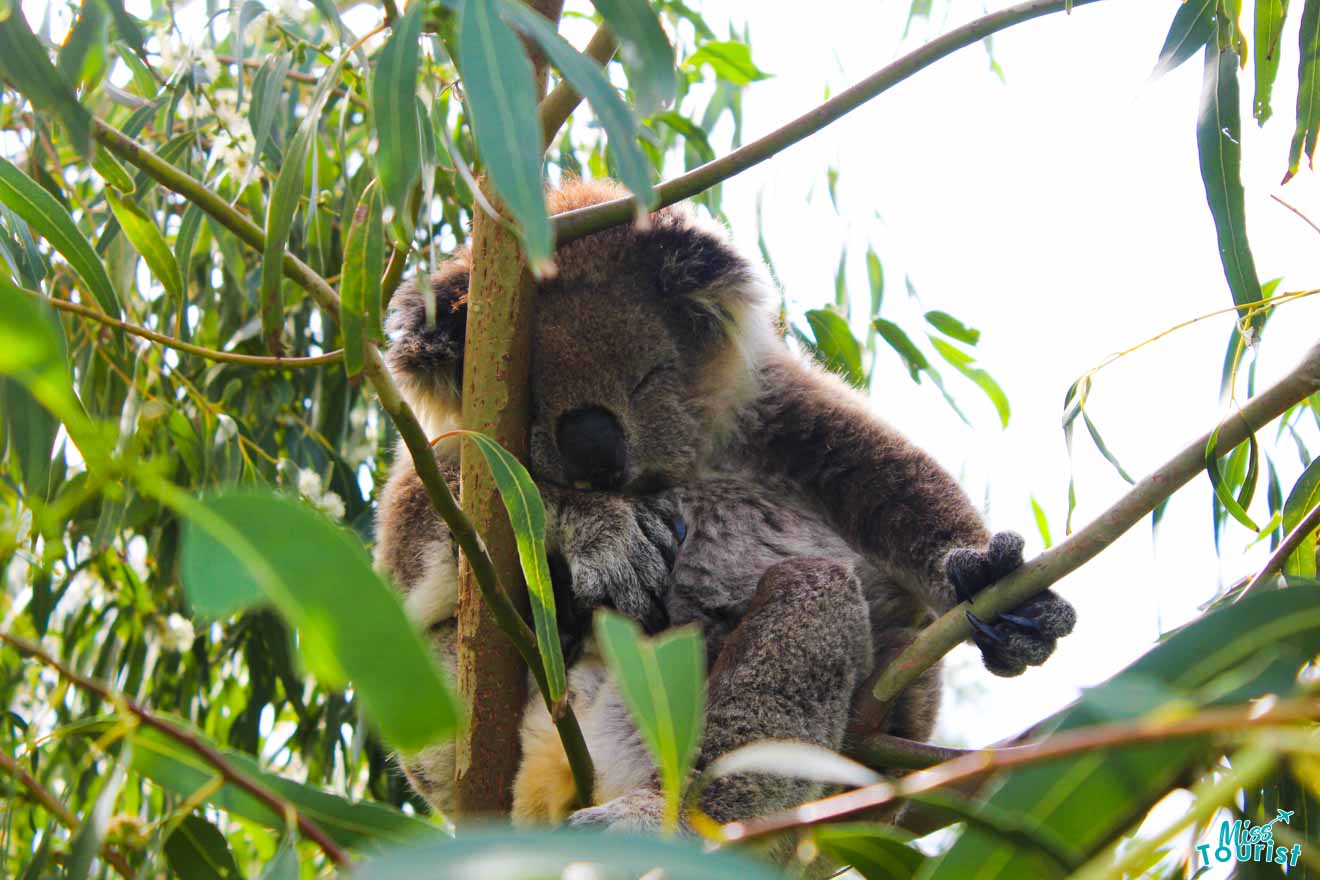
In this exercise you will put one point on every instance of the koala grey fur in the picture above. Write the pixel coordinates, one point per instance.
(695, 470)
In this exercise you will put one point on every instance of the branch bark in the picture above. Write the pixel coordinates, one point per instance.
(1038, 574)
(496, 401)
(575, 224)
(1230, 720)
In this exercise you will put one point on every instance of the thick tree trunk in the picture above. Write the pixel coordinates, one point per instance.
(491, 676)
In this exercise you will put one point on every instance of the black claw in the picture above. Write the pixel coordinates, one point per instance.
(981, 628)
(680, 529)
(1023, 622)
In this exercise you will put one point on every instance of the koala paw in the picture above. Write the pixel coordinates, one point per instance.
(1025, 637)
(638, 811)
(619, 551)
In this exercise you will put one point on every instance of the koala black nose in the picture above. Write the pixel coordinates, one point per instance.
(593, 448)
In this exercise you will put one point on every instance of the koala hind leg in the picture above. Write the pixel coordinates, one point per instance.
(786, 672)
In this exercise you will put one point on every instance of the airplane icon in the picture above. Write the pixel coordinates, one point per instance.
(1285, 816)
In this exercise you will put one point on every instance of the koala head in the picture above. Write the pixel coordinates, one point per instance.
(644, 347)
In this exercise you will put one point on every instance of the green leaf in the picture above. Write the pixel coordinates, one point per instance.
(497, 78)
(835, 345)
(875, 273)
(527, 854)
(183, 772)
(1042, 522)
(731, 61)
(952, 327)
(127, 26)
(527, 517)
(644, 50)
(243, 548)
(31, 430)
(1231, 504)
(1193, 25)
(359, 285)
(86, 843)
(1218, 142)
(25, 64)
(1308, 89)
(1240, 652)
(663, 683)
(149, 241)
(1268, 32)
(630, 163)
(841, 284)
(962, 362)
(1302, 498)
(692, 133)
(394, 111)
(196, 850)
(112, 172)
(81, 61)
(1104, 448)
(284, 199)
(903, 345)
(267, 98)
(186, 239)
(877, 852)
(48, 219)
(285, 864)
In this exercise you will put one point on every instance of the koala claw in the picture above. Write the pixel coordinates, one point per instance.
(1024, 637)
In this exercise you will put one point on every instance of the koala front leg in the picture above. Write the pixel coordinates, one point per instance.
(616, 550)
(787, 672)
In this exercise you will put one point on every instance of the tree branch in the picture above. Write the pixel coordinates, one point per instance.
(1038, 574)
(1308, 526)
(193, 743)
(39, 793)
(575, 224)
(1221, 720)
(228, 357)
(563, 99)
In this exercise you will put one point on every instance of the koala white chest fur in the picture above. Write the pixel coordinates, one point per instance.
(695, 470)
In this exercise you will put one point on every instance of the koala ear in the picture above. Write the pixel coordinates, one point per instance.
(426, 352)
(709, 286)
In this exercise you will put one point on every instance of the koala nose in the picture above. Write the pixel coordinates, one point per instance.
(593, 448)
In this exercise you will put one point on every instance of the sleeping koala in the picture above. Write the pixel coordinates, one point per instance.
(695, 470)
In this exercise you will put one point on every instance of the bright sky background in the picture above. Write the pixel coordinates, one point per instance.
(1061, 213)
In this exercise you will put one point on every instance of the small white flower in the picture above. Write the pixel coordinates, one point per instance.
(237, 153)
(177, 634)
(331, 505)
(210, 63)
(309, 484)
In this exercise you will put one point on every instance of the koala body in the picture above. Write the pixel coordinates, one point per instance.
(695, 470)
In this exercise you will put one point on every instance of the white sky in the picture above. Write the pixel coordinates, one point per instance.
(1061, 213)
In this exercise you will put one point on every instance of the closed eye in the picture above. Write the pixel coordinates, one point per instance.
(651, 375)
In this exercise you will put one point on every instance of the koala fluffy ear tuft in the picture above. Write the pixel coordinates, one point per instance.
(426, 356)
(710, 286)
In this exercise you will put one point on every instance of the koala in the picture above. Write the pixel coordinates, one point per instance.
(696, 470)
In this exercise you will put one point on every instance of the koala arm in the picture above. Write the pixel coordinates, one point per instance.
(888, 498)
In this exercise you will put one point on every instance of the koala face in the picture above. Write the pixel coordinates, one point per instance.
(642, 347)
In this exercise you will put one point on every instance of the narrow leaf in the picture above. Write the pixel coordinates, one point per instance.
(901, 343)
(952, 327)
(394, 111)
(877, 852)
(497, 78)
(1042, 522)
(835, 345)
(1221, 488)
(1193, 25)
(267, 94)
(149, 241)
(1302, 498)
(731, 61)
(48, 219)
(620, 124)
(1268, 32)
(963, 363)
(196, 850)
(25, 64)
(359, 286)
(644, 50)
(1218, 136)
(1308, 90)
(242, 548)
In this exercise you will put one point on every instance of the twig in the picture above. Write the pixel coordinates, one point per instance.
(563, 99)
(1309, 222)
(584, 221)
(393, 274)
(230, 357)
(42, 796)
(1047, 568)
(1221, 720)
(1308, 526)
(298, 76)
(194, 743)
(884, 752)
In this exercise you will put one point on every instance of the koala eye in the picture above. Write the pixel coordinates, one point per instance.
(651, 375)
